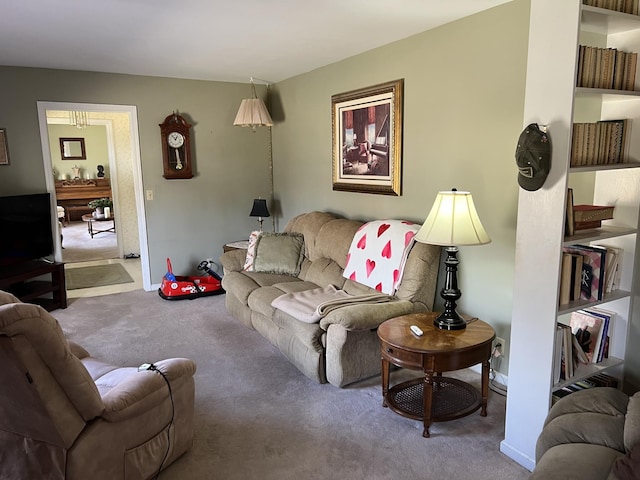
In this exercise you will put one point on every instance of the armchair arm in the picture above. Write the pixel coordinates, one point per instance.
(367, 316)
(233, 260)
(142, 390)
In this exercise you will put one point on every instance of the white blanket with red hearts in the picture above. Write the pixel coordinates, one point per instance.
(378, 252)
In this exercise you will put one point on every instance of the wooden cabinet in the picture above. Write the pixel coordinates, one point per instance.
(74, 195)
(552, 99)
(36, 282)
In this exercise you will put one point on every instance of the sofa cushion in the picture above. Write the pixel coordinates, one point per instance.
(324, 271)
(577, 461)
(241, 284)
(309, 224)
(632, 423)
(279, 253)
(309, 334)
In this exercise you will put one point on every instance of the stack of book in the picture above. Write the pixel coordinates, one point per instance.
(584, 341)
(599, 143)
(585, 217)
(597, 380)
(624, 6)
(607, 68)
(588, 272)
(590, 216)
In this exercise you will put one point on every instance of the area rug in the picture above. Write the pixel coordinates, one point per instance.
(97, 276)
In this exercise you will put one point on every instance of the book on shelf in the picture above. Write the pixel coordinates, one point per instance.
(569, 225)
(605, 68)
(591, 213)
(587, 329)
(557, 354)
(593, 265)
(607, 325)
(624, 6)
(571, 277)
(612, 268)
(599, 143)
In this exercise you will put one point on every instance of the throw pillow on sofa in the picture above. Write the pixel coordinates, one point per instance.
(251, 251)
(280, 253)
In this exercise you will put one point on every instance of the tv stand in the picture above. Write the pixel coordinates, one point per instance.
(22, 281)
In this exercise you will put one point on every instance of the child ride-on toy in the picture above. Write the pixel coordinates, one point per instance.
(176, 287)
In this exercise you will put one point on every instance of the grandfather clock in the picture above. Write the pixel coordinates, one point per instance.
(175, 133)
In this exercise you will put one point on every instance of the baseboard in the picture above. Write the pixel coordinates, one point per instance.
(517, 456)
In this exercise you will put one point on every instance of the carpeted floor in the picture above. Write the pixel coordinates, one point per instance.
(96, 276)
(80, 247)
(257, 417)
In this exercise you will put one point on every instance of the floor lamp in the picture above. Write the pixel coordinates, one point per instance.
(253, 113)
(453, 221)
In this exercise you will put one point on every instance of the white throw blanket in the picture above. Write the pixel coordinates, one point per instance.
(378, 253)
(310, 306)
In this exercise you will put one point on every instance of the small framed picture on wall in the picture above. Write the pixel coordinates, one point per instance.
(4, 148)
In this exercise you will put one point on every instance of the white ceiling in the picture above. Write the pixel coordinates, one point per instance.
(225, 40)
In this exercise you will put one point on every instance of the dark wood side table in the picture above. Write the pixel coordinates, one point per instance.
(434, 398)
(239, 245)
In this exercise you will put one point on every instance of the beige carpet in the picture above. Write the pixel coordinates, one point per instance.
(80, 247)
(96, 276)
(257, 417)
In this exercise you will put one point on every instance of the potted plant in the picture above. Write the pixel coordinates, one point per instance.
(98, 205)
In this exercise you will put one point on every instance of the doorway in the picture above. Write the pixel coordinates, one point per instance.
(124, 167)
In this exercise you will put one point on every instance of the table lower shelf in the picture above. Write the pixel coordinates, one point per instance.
(452, 398)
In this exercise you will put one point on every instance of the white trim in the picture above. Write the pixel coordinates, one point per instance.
(136, 163)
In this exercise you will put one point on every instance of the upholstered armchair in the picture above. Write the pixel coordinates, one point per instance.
(66, 415)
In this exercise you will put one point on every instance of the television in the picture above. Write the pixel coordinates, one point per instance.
(26, 228)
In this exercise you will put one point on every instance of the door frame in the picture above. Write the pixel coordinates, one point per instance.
(131, 112)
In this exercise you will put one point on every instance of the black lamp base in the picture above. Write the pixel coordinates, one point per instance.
(449, 318)
(447, 323)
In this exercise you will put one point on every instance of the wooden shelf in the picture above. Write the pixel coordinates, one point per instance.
(585, 371)
(23, 280)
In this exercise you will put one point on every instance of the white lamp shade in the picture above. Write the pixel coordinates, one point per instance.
(253, 113)
(453, 220)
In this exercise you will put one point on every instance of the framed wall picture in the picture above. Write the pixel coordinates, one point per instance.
(72, 149)
(367, 139)
(4, 147)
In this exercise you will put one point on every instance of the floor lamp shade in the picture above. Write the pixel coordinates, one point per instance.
(453, 221)
(253, 113)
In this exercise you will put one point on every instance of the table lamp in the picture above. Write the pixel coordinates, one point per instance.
(259, 210)
(453, 221)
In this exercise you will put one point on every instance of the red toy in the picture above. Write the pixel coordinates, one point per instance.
(175, 287)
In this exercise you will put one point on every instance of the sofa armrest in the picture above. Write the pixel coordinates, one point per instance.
(366, 316)
(233, 260)
(142, 390)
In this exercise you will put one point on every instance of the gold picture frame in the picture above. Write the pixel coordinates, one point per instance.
(367, 139)
(4, 147)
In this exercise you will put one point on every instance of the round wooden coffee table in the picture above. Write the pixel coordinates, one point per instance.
(434, 398)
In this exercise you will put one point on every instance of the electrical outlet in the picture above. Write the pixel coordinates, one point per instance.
(503, 344)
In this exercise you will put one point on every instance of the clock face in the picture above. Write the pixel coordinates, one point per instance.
(175, 139)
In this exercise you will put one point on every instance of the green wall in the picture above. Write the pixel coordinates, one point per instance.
(95, 142)
(188, 220)
(463, 107)
(463, 113)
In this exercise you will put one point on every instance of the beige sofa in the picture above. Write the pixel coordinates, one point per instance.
(592, 434)
(342, 347)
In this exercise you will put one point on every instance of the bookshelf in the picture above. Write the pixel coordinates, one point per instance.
(557, 29)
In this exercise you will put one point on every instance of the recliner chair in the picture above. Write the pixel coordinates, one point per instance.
(66, 415)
